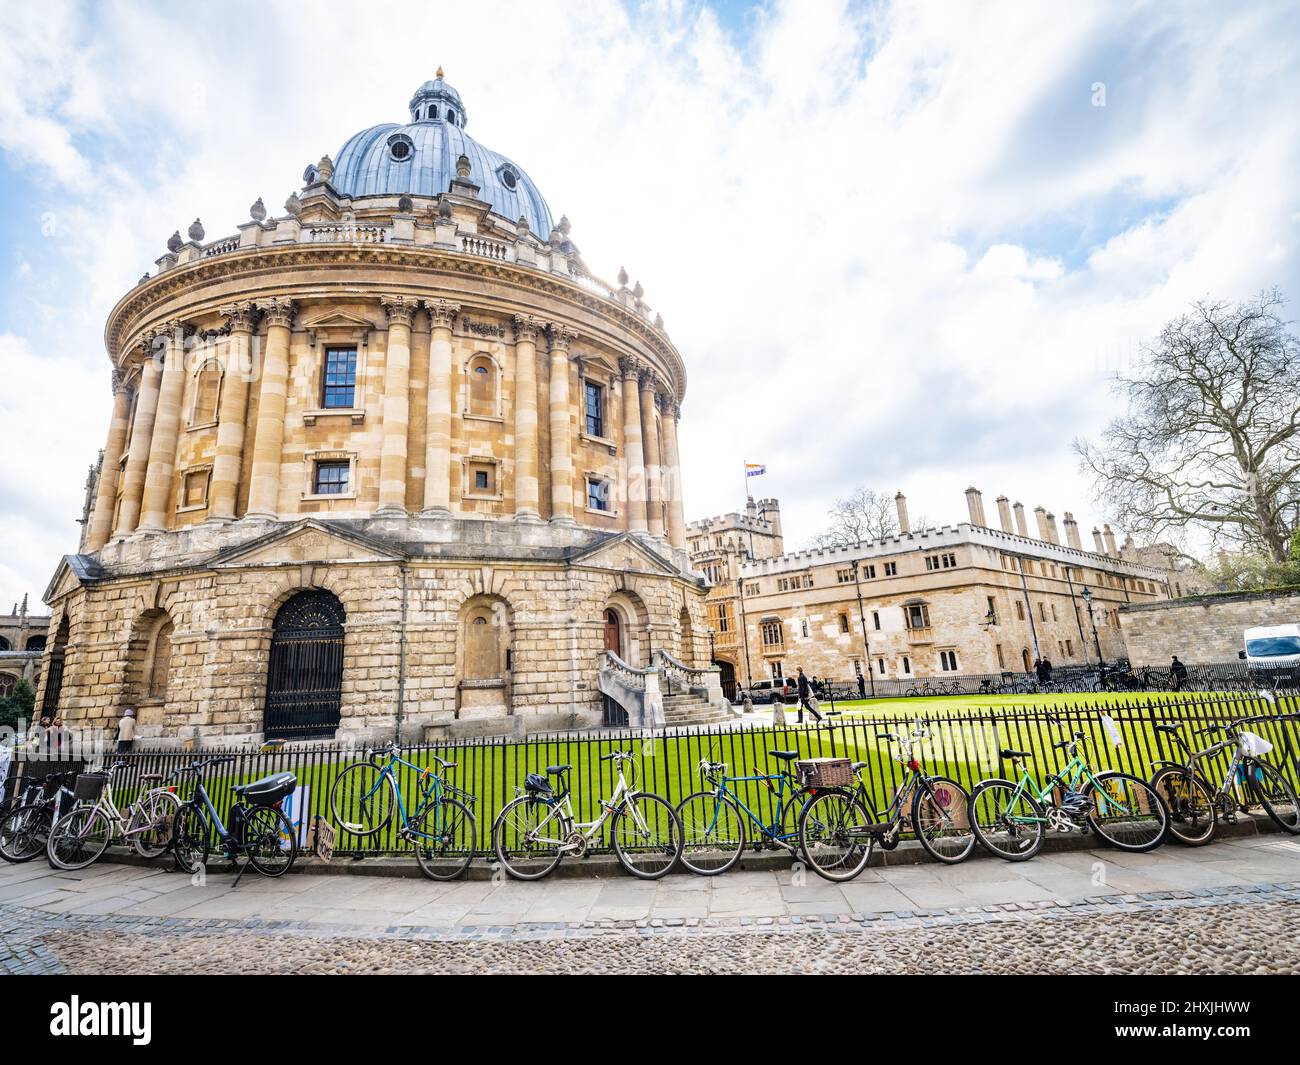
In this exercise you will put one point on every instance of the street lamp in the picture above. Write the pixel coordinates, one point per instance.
(862, 619)
(712, 654)
(1086, 595)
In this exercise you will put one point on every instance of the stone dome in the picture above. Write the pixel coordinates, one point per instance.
(419, 159)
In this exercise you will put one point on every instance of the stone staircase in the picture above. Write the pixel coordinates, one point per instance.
(693, 709)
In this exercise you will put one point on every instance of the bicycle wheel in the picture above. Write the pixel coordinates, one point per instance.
(190, 838)
(150, 828)
(833, 836)
(78, 838)
(25, 832)
(713, 832)
(527, 838)
(1007, 820)
(269, 840)
(1274, 794)
(1127, 812)
(445, 833)
(941, 820)
(361, 799)
(647, 835)
(1192, 812)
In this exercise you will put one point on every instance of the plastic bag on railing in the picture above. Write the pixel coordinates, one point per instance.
(1253, 745)
(1111, 729)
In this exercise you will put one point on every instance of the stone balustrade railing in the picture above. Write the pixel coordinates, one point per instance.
(488, 249)
(636, 690)
(684, 676)
(345, 233)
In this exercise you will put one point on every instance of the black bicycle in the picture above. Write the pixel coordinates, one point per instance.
(258, 830)
(25, 828)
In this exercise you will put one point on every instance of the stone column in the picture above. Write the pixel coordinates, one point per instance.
(653, 461)
(634, 487)
(673, 473)
(137, 461)
(437, 454)
(527, 499)
(268, 444)
(561, 427)
(166, 429)
(228, 463)
(397, 405)
(101, 522)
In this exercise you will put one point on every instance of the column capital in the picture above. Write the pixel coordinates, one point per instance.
(527, 327)
(561, 336)
(442, 312)
(119, 382)
(399, 309)
(277, 311)
(668, 406)
(240, 316)
(646, 376)
(630, 366)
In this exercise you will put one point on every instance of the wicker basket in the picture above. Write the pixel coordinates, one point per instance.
(825, 772)
(89, 786)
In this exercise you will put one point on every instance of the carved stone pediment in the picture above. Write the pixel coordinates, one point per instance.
(307, 541)
(624, 553)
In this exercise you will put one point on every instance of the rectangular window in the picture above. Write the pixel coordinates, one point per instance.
(482, 479)
(1002, 663)
(195, 492)
(331, 478)
(844, 576)
(918, 616)
(595, 405)
(803, 628)
(1069, 648)
(993, 612)
(1020, 610)
(340, 384)
(891, 569)
(598, 498)
(772, 634)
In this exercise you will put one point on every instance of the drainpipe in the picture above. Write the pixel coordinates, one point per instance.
(401, 660)
(1029, 607)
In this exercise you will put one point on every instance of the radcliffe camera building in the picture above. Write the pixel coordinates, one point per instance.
(390, 461)
(969, 598)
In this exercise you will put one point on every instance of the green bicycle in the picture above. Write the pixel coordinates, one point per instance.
(1011, 817)
(440, 823)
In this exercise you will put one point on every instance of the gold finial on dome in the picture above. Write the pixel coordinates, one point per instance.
(439, 73)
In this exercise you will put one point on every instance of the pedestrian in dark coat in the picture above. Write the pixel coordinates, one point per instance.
(805, 697)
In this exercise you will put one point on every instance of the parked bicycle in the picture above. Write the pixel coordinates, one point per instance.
(25, 831)
(714, 820)
(535, 830)
(839, 827)
(440, 824)
(1010, 817)
(258, 830)
(1195, 804)
(82, 835)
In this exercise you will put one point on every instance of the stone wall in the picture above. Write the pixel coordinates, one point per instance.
(1202, 629)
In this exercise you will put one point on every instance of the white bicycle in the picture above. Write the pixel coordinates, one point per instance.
(81, 836)
(536, 829)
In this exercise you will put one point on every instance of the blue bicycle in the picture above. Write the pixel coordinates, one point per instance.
(440, 825)
(714, 820)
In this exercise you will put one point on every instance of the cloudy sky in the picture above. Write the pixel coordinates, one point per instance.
(898, 245)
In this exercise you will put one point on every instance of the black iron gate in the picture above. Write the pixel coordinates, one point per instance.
(305, 678)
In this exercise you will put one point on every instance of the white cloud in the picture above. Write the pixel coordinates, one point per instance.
(895, 245)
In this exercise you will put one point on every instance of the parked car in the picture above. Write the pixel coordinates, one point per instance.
(1272, 655)
(766, 691)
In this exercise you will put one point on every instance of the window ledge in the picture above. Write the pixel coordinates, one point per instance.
(598, 441)
(201, 425)
(192, 507)
(357, 414)
(601, 513)
(312, 497)
(499, 419)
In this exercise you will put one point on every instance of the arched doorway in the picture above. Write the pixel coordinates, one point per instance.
(304, 686)
(613, 632)
(484, 657)
(727, 677)
(1026, 660)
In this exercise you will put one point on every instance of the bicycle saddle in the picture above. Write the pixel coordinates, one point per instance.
(1169, 727)
(150, 776)
(1015, 754)
(785, 756)
(556, 770)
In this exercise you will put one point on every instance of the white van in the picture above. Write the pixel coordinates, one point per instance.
(1272, 645)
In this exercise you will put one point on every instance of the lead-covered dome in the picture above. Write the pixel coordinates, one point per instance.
(420, 159)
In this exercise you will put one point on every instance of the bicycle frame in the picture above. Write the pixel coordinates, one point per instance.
(120, 822)
(432, 792)
(562, 812)
(771, 831)
(1228, 787)
(1076, 771)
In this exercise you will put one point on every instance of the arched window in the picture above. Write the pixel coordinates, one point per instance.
(207, 395)
(482, 385)
(451, 116)
(4, 644)
(7, 684)
(36, 643)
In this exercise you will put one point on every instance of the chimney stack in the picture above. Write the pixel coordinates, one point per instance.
(1109, 537)
(1052, 534)
(975, 506)
(904, 524)
(1004, 514)
(1021, 527)
(1097, 542)
(1072, 532)
(1040, 519)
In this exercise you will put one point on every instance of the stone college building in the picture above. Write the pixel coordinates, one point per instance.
(390, 463)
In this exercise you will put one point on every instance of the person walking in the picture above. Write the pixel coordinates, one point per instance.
(1177, 674)
(806, 700)
(862, 686)
(1040, 670)
(126, 731)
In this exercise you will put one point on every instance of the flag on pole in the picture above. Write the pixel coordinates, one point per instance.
(755, 469)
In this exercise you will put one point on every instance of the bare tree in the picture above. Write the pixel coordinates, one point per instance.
(1211, 439)
(864, 514)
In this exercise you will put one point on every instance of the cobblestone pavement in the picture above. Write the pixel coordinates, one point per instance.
(1224, 908)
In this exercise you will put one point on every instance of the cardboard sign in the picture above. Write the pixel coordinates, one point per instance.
(324, 840)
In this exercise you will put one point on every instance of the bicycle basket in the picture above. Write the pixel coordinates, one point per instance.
(825, 772)
(89, 786)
